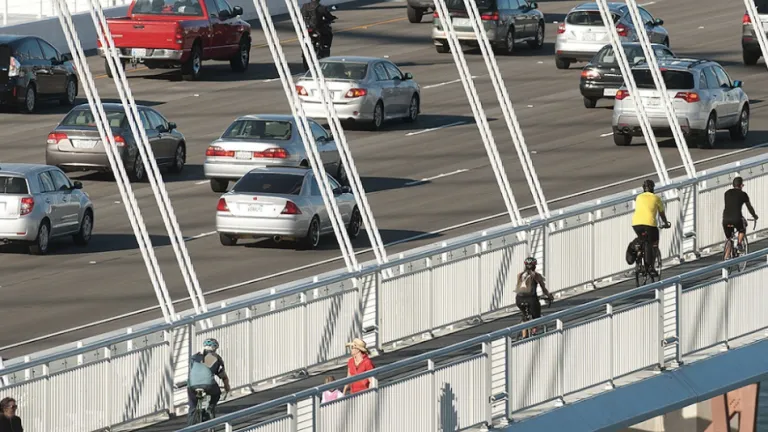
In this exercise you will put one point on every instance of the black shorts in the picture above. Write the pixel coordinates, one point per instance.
(652, 232)
(739, 226)
(532, 301)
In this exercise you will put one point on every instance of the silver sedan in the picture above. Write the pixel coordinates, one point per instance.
(366, 89)
(255, 141)
(284, 204)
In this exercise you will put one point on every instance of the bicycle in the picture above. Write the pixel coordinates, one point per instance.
(202, 408)
(525, 311)
(730, 250)
(642, 275)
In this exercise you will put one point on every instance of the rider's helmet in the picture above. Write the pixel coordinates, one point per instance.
(738, 182)
(210, 345)
(649, 186)
(530, 263)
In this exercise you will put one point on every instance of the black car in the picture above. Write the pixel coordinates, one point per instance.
(601, 77)
(31, 70)
(750, 47)
(418, 8)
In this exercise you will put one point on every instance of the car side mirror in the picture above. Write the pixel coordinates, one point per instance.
(534, 5)
(224, 15)
(171, 126)
(658, 22)
(408, 76)
(337, 191)
(333, 7)
(346, 189)
(77, 185)
(237, 11)
(737, 84)
(66, 58)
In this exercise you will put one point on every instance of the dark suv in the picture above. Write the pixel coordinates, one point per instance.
(418, 8)
(750, 48)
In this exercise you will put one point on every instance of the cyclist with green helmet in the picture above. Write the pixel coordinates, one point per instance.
(204, 367)
(527, 298)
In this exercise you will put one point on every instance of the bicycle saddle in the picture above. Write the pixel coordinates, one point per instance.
(200, 392)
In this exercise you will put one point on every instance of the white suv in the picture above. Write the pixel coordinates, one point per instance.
(704, 97)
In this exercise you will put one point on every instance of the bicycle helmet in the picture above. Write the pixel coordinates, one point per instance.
(530, 263)
(649, 186)
(738, 182)
(210, 345)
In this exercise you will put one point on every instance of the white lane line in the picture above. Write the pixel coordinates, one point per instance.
(201, 182)
(443, 83)
(435, 128)
(424, 180)
(606, 134)
(339, 258)
(647, 4)
(199, 236)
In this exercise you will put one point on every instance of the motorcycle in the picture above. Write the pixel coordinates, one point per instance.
(321, 51)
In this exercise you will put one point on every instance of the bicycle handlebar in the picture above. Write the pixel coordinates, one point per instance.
(754, 225)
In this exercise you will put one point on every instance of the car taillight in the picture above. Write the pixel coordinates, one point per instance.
(119, 141)
(356, 92)
(55, 137)
(435, 15)
(274, 153)
(622, 94)
(179, 37)
(622, 30)
(27, 204)
(490, 16)
(14, 68)
(222, 205)
(301, 91)
(590, 74)
(291, 209)
(746, 19)
(216, 151)
(689, 97)
(561, 28)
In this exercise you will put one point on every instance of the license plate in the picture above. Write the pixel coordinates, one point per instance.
(243, 155)
(83, 143)
(463, 22)
(609, 92)
(653, 101)
(588, 37)
(254, 208)
(138, 52)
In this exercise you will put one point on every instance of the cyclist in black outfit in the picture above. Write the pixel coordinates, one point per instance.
(319, 18)
(526, 294)
(735, 199)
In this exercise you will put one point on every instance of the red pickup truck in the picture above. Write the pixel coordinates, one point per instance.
(181, 33)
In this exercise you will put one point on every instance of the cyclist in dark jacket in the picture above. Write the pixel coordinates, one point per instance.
(526, 291)
(319, 18)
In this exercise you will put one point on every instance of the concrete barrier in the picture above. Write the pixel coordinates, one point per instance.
(50, 29)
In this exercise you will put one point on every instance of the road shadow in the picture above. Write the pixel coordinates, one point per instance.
(55, 108)
(521, 50)
(328, 242)
(723, 142)
(425, 121)
(99, 243)
(191, 172)
(221, 72)
(379, 184)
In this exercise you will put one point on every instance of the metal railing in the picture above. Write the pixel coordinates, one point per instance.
(434, 289)
(31, 10)
(593, 347)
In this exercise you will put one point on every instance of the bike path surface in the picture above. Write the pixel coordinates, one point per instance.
(460, 336)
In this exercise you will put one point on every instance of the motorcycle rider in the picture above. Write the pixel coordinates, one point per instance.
(319, 17)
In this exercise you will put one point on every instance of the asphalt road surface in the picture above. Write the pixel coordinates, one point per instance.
(571, 149)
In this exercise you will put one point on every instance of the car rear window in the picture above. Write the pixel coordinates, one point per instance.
(762, 6)
(587, 18)
(607, 56)
(260, 129)
(13, 185)
(674, 80)
(342, 70)
(85, 118)
(270, 183)
(482, 5)
(168, 7)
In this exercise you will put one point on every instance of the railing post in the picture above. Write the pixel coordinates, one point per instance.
(611, 366)
(433, 394)
(560, 363)
(726, 305)
(430, 287)
(293, 412)
(488, 352)
(679, 323)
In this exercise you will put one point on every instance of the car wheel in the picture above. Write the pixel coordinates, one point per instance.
(312, 239)
(709, 137)
(239, 63)
(193, 67)
(86, 229)
(121, 64)
(413, 110)
(622, 140)
(179, 159)
(227, 240)
(509, 42)
(750, 58)
(40, 245)
(219, 185)
(415, 15)
(590, 103)
(443, 48)
(562, 63)
(30, 99)
(538, 43)
(740, 131)
(139, 172)
(378, 116)
(355, 224)
(71, 93)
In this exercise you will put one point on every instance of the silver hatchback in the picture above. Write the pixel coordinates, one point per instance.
(704, 97)
(39, 203)
(582, 34)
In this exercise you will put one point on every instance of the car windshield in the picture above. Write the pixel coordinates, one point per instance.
(168, 7)
(634, 54)
(270, 183)
(13, 185)
(587, 18)
(482, 5)
(84, 118)
(673, 79)
(260, 129)
(342, 70)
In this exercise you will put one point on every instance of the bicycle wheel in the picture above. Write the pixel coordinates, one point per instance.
(198, 414)
(743, 265)
(656, 265)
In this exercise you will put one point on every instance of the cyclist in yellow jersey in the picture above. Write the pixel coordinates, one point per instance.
(647, 206)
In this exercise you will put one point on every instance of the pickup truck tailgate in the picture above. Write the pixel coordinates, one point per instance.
(135, 33)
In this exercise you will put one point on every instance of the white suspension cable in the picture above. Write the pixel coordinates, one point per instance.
(113, 156)
(507, 108)
(479, 113)
(146, 154)
(629, 81)
(658, 79)
(758, 27)
(307, 137)
(349, 166)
